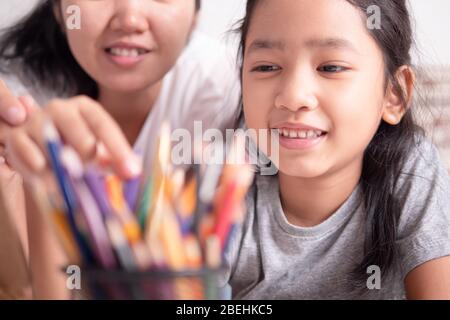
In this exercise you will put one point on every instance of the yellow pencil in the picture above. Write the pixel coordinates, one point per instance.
(59, 223)
(172, 239)
(160, 171)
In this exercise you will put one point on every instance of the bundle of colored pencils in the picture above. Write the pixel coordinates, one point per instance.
(176, 220)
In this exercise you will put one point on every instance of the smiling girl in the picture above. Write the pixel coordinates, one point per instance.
(360, 207)
(130, 66)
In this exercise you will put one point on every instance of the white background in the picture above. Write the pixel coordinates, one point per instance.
(432, 22)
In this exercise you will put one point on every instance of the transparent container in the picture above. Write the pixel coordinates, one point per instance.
(203, 284)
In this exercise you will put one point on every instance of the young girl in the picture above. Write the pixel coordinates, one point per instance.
(360, 208)
(132, 65)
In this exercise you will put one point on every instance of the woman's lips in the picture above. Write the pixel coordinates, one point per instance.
(126, 56)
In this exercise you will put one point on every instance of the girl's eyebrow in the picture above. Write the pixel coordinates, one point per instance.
(331, 42)
(334, 43)
(265, 44)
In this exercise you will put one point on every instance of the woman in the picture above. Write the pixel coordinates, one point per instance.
(134, 64)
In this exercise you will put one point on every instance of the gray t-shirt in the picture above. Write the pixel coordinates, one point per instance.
(273, 259)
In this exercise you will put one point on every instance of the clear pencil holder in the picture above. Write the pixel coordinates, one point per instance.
(203, 284)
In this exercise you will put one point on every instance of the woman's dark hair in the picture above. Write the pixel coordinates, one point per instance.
(37, 48)
(391, 145)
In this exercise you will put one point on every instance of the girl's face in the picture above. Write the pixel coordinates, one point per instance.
(311, 69)
(128, 45)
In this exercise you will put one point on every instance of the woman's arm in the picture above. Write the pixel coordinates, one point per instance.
(430, 280)
(14, 276)
(46, 256)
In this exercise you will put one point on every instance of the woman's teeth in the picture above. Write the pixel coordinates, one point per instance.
(125, 52)
(300, 134)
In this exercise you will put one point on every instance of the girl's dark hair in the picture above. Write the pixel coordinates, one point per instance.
(391, 145)
(38, 50)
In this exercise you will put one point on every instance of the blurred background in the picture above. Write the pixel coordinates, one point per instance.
(431, 20)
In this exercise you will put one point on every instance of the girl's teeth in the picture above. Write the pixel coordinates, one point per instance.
(292, 134)
(299, 134)
(311, 134)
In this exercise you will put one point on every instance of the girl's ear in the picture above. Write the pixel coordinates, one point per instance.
(397, 100)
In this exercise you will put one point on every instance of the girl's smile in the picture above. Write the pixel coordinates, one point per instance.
(321, 84)
(298, 136)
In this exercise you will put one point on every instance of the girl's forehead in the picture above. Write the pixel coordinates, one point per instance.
(300, 15)
(333, 24)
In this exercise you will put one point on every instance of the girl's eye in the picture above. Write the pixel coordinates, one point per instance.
(266, 68)
(332, 69)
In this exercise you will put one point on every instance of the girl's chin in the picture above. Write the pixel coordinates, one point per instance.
(298, 170)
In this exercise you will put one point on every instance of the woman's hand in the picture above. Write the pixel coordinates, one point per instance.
(84, 125)
(13, 112)
(14, 275)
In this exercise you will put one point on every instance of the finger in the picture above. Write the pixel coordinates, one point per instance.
(5, 171)
(106, 130)
(7, 174)
(29, 103)
(34, 130)
(103, 156)
(11, 109)
(24, 155)
(73, 128)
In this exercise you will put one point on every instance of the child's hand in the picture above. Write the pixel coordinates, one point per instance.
(82, 124)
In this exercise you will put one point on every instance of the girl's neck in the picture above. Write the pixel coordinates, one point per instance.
(130, 109)
(309, 202)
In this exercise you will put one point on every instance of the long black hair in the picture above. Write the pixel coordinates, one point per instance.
(37, 49)
(391, 145)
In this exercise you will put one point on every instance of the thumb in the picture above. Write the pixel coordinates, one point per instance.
(11, 110)
(29, 103)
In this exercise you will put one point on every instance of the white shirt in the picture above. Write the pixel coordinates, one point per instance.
(202, 86)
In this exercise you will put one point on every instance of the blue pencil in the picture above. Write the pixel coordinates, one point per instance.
(53, 144)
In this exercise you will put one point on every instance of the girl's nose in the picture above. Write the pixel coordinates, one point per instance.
(297, 92)
(129, 17)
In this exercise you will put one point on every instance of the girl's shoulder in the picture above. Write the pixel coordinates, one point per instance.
(423, 197)
(423, 184)
(424, 167)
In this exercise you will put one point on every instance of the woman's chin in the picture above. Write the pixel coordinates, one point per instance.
(124, 86)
